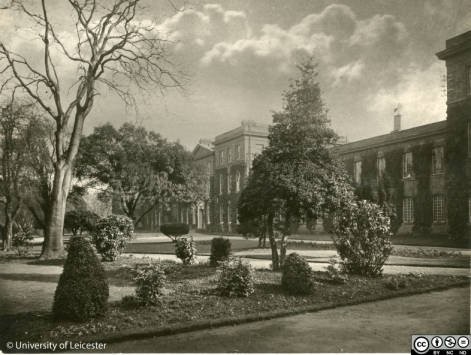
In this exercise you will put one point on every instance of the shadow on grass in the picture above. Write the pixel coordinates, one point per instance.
(52, 262)
(30, 277)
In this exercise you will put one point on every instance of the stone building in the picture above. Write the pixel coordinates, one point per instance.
(424, 173)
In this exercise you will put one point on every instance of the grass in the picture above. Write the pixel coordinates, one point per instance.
(192, 298)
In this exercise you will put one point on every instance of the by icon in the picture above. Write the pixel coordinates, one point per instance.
(437, 342)
(421, 344)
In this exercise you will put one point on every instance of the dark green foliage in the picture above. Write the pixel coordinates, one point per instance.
(236, 279)
(393, 188)
(362, 238)
(150, 279)
(130, 302)
(185, 250)
(82, 291)
(111, 234)
(78, 221)
(296, 276)
(220, 250)
(396, 282)
(174, 230)
(458, 173)
(422, 161)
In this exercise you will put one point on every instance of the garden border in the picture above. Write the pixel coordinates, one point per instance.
(210, 324)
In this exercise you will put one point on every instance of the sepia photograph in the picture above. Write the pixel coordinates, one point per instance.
(235, 176)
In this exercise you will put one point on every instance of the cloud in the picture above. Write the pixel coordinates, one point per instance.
(420, 94)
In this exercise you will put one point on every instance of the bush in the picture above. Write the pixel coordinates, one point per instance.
(335, 275)
(236, 279)
(150, 279)
(220, 251)
(111, 234)
(82, 292)
(22, 235)
(130, 302)
(174, 230)
(185, 250)
(78, 221)
(296, 277)
(396, 282)
(362, 238)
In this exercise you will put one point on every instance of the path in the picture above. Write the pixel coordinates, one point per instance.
(31, 288)
(383, 326)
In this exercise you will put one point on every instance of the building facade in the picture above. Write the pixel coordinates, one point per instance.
(423, 173)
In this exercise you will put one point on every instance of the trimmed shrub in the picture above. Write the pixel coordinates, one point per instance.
(296, 275)
(111, 234)
(335, 274)
(174, 230)
(362, 238)
(185, 250)
(150, 279)
(220, 250)
(82, 292)
(78, 221)
(236, 279)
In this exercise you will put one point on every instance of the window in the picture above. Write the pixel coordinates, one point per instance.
(221, 212)
(229, 155)
(228, 212)
(469, 209)
(229, 182)
(208, 214)
(220, 184)
(407, 165)
(237, 152)
(438, 209)
(437, 160)
(381, 167)
(408, 210)
(469, 139)
(357, 172)
(221, 157)
(237, 181)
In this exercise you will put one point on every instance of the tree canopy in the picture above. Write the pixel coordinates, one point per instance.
(297, 174)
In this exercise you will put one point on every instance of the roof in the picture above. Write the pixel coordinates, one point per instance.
(394, 137)
(456, 45)
(250, 128)
(201, 151)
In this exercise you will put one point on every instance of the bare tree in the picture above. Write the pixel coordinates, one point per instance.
(112, 48)
(14, 162)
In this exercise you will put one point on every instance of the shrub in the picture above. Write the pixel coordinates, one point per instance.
(362, 238)
(150, 279)
(22, 235)
(111, 235)
(236, 279)
(175, 230)
(335, 275)
(296, 275)
(82, 291)
(396, 282)
(185, 250)
(78, 221)
(130, 302)
(220, 250)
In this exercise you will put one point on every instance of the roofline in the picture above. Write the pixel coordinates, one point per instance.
(391, 138)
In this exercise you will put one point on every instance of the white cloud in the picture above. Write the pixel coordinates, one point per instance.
(420, 94)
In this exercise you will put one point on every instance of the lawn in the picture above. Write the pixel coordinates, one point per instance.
(191, 298)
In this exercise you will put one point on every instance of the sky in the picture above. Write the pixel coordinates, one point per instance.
(240, 55)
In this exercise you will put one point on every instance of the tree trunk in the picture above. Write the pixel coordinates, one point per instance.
(53, 247)
(274, 250)
(8, 232)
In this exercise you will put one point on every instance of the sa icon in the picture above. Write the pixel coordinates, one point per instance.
(421, 344)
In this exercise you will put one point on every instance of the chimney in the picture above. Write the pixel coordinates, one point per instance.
(397, 120)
